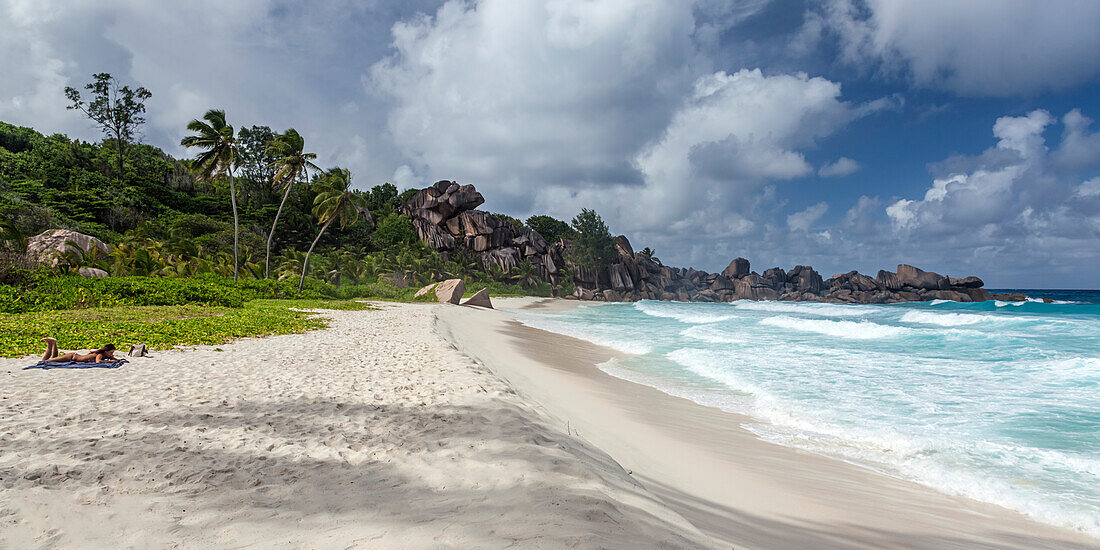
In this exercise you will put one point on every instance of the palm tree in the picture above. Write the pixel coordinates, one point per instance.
(11, 236)
(293, 163)
(73, 257)
(524, 274)
(334, 201)
(219, 151)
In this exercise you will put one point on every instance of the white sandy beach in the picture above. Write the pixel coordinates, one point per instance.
(380, 433)
(372, 434)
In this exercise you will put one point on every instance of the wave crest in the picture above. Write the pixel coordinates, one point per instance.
(945, 319)
(808, 308)
(658, 309)
(862, 330)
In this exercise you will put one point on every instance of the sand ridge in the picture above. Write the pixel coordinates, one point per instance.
(373, 433)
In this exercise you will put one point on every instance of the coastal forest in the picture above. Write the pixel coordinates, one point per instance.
(248, 216)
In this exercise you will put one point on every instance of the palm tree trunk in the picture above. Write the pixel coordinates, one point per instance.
(236, 224)
(305, 264)
(271, 235)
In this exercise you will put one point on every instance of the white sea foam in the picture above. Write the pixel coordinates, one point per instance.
(999, 303)
(938, 302)
(1029, 299)
(923, 462)
(1080, 370)
(681, 313)
(976, 416)
(946, 319)
(603, 337)
(708, 365)
(862, 330)
(708, 334)
(720, 400)
(808, 308)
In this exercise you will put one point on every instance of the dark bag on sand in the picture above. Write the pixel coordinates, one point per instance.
(138, 350)
(47, 365)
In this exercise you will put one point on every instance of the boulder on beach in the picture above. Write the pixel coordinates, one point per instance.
(480, 299)
(424, 290)
(450, 291)
(46, 246)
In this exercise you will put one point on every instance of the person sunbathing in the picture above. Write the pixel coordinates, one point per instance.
(102, 355)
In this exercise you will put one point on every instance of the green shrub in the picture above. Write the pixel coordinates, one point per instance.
(394, 231)
(550, 228)
(75, 292)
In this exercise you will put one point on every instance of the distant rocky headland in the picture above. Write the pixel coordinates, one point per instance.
(446, 219)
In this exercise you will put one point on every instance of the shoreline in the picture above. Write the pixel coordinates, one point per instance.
(735, 487)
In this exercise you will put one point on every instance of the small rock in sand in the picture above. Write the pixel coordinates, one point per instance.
(424, 290)
(480, 299)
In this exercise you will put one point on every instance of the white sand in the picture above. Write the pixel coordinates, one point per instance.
(372, 434)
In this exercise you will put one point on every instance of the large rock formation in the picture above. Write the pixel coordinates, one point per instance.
(446, 219)
(47, 246)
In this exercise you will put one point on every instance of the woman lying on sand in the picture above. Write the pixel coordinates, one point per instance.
(103, 354)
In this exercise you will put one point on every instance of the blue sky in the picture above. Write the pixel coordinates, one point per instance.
(844, 134)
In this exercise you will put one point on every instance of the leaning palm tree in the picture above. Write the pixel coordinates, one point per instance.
(219, 152)
(334, 201)
(292, 163)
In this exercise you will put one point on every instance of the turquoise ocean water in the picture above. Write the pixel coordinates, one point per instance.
(996, 401)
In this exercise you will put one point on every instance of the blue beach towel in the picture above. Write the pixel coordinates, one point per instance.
(74, 365)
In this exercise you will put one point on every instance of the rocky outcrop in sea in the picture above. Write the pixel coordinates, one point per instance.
(446, 218)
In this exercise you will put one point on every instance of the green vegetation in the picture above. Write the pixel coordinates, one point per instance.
(335, 201)
(218, 145)
(594, 244)
(219, 246)
(651, 253)
(293, 163)
(551, 229)
(160, 327)
(117, 110)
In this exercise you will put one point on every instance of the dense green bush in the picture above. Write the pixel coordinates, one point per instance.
(550, 228)
(394, 231)
(593, 245)
(75, 292)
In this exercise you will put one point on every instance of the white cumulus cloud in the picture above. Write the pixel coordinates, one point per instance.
(976, 47)
(802, 221)
(1010, 208)
(842, 166)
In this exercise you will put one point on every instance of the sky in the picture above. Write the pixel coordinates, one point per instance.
(842, 134)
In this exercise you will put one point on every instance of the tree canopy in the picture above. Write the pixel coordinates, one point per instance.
(593, 244)
(117, 110)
